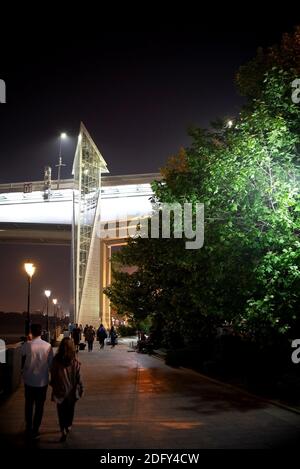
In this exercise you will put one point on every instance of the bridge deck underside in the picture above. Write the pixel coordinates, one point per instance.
(28, 233)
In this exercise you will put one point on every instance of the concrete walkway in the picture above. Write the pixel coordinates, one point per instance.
(135, 401)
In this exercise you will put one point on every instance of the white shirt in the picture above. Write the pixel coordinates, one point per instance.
(38, 360)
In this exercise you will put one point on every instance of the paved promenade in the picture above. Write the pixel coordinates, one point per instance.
(135, 401)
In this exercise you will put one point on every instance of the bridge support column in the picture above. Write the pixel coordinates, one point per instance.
(106, 276)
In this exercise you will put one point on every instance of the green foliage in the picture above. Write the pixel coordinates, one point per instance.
(126, 331)
(247, 176)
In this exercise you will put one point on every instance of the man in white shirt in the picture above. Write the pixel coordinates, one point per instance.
(37, 358)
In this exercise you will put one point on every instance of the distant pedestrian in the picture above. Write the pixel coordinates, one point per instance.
(101, 335)
(85, 331)
(141, 343)
(37, 358)
(113, 336)
(76, 335)
(66, 384)
(90, 337)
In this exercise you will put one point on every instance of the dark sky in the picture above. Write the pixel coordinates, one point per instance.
(53, 272)
(136, 92)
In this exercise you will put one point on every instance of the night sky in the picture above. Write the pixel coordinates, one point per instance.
(136, 92)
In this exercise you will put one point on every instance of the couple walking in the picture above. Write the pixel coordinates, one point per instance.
(67, 388)
(102, 335)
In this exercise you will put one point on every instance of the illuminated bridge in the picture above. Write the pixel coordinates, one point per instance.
(73, 212)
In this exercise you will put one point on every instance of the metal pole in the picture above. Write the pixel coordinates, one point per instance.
(55, 321)
(48, 332)
(58, 172)
(59, 164)
(27, 322)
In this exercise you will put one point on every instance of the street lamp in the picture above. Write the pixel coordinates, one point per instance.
(63, 136)
(48, 294)
(30, 269)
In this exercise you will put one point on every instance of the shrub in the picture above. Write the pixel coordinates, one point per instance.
(125, 331)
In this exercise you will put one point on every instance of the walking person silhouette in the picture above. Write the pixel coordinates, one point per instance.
(66, 384)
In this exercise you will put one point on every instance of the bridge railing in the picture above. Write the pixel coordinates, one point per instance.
(32, 186)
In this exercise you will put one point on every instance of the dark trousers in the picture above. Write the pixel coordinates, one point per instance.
(90, 345)
(34, 397)
(65, 412)
(101, 341)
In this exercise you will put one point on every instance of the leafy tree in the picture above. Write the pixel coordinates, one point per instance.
(247, 176)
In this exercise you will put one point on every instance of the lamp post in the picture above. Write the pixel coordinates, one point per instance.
(48, 294)
(63, 136)
(55, 315)
(30, 269)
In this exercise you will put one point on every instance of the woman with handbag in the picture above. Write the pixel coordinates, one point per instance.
(66, 384)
